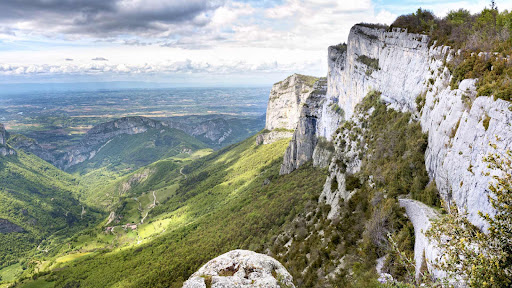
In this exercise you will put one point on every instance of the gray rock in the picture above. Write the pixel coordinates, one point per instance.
(8, 227)
(421, 216)
(272, 136)
(241, 268)
(101, 134)
(5, 149)
(30, 145)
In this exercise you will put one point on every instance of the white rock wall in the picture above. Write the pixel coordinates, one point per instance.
(283, 109)
(402, 59)
(408, 67)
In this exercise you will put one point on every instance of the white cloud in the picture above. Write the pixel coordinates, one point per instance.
(218, 37)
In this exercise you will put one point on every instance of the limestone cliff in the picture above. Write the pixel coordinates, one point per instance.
(30, 145)
(4, 148)
(99, 135)
(299, 101)
(215, 130)
(404, 67)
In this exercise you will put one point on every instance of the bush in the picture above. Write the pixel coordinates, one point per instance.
(420, 22)
(352, 182)
(477, 258)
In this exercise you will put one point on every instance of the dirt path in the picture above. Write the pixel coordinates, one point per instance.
(150, 207)
(181, 172)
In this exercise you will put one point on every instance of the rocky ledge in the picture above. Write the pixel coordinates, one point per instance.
(241, 268)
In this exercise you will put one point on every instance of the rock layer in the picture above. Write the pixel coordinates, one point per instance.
(241, 268)
(404, 67)
(4, 148)
(99, 135)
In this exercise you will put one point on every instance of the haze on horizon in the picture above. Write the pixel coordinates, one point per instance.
(185, 43)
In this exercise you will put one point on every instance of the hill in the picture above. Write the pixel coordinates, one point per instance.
(230, 199)
(39, 207)
(127, 144)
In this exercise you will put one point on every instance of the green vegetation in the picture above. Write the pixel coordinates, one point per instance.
(129, 152)
(374, 25)
(493, 73)
(337, 109)
(486, 121)
(43, 201)
(480, 259)
(308, 80)
(372, 64)
(221, 205)
(488, 31)
(342, 47)
(342, 252)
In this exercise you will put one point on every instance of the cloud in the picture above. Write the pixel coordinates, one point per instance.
(68, 59)
(99, 59)
(187, 66)
(100, 18)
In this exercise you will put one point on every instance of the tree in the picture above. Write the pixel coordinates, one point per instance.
(481, 259)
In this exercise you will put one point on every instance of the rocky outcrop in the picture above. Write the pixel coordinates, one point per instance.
(304, 139)
(285, 100)
(99, 135)
(459, 137)
(241, 268)
(8, 227)
(424, 250)
(301, 101)
(394, 63)
(403, 66)
(213, 130)
(5, 150)
(345, 161)
(31, 146)
(268, 137)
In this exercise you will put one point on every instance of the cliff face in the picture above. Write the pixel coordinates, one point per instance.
(99, 135)
(4, 148)
(30, 145)
(213, 130)
(402, 66)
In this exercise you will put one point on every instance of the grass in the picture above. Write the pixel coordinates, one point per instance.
(71, 257)
(11, 273)
(231, 208)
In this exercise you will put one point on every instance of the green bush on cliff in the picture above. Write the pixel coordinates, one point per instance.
(480, 259)
(488, 31)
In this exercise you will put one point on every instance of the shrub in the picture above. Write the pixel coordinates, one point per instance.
(352, 182)
(477, 258)
(486, 121)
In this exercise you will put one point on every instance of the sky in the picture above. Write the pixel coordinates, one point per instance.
(186, 42)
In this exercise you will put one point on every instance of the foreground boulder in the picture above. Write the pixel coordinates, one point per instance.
(241, 268)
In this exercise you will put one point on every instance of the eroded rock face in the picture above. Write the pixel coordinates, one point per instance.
(241, 268)
(459, 125)
(31, 146)
(286, 97)
(421, 216)
(99, 135)
(215, 130)
(5, 150)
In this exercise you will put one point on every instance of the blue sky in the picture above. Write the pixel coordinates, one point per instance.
(184, 42)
